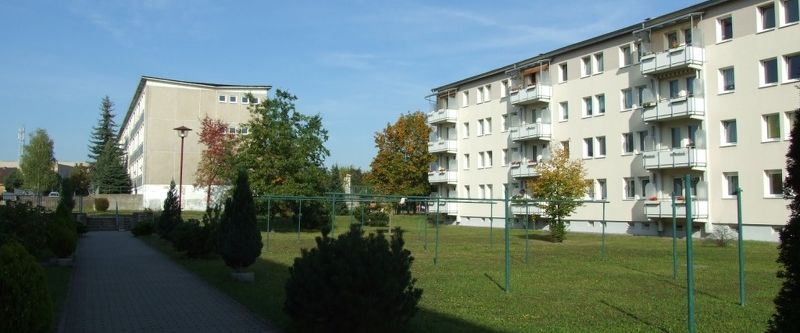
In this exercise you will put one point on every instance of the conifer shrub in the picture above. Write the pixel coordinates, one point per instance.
(101, 204)
(240, 240)
(62, 238)
(197, 238)
(26, 224)
(25, 304)
(143, 228)
(353, 284)
(170, 217)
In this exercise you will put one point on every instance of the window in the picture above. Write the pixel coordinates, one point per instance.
(687, 36)
(590, 189)
(244, 130)
(672, 40)
(564, 108)
(503, 88)
(769, 71)
(221, 98)
(674, 90)
(466, 161)
(586, 66)
(676, 137)
(626, 56)
(771, 126)
(481, 160)
(480, 127)
(789, 122)
(231, 130)
(488, 128)
(562, 71)
(465, 98)
(766, 17)
(483, 191)
(774, 183)
(466, 192)
(726, 79)
(255, 100)
(479, 96)
(630, 188)
(601, 184)
(232, 99)
(587, 106)
(598, 62)
(792, 64)
(601, 104)
(642, 140)
(731, 184)
(627, 143)
(489, 194)
(504, 157)
(690, 85)
(627, 99)
(639, 51)
(588, 148)
(466, 130)
(644, 181)
(504, 122)
(487, 93)
(677, 186)
(565, 146)
(791, 13)
(245, 100)
(640, 92)
(601, 146)
(489, 159)
(725, 28)
(729, 132)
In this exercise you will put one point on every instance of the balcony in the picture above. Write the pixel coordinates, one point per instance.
(442, 146)
(536, 131)
(533, 94)
(449, 208)
(522, 169)
(674, 158)
(442, 176)
(442, 116)
(676, 108)
(682, 57)
(523, 209)
(663, 209)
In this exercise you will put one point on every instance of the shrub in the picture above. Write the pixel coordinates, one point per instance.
(143, 228)
(432, 218)
(62, 237)
(558, 230)
(27, 224)
(101, 204)
(722, 236)
(240, 240)
(315, 215)
(170, 217)
(353, 284)
(195, 238)
(25, 303)
(372, 218)
(81, 228)
(184, 234)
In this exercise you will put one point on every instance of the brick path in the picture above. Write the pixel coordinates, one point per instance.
(119, 284)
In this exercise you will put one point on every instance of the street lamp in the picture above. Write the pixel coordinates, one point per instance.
(183, 131)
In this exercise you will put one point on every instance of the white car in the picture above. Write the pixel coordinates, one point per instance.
(54, 195)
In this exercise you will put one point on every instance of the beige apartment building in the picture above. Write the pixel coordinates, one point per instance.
(153, 147)
(707, 90)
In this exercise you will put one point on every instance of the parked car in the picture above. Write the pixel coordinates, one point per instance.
(54, 195)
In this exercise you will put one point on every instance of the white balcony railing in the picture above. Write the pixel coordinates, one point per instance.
(532, 94)
(523, 169)
(663, 209)
(449, 208)
(531, 132)
(669, 109)
(674, 158)
(523, 209)
(442, 146)
(442, 116)
(442, 176)
(672, 59)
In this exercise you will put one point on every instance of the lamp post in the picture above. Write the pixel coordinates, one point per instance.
(183, 131)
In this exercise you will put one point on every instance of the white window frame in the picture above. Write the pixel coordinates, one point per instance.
(479, 95)
(601, 146)
(599, 62)
(784, 12)
(563, 72)
(231, 99)
(760, 17)
(466, 161)
(466, 130)
(586, 66)
(625, 55)
(724, 130)
(464, 98)
(765, 127)
(588, 148)
(602, 186)
(622, 105)
(563, 111)
(768, 190)
(504, 122)
(628, 140)
(720, 38)
(487, 93)
(723, 89)
(588, 108)
(726, 184)
(489, 159)
(504, 157)
(628, 188)
(786, 67)
(244, 100)
(467, 193)
(481, 160)
(762, 73)
(504, 87)
(487, 130)
(601, 104)
(222, 99)
(788, 122)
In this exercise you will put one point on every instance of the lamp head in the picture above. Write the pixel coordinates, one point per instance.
(182, 131)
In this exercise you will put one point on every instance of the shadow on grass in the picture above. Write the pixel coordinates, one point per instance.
(635, 317)
(266, 296)
(494, 281)
(669, 280)
(537, 237)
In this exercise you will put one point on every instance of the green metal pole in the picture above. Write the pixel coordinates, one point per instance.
(603, 245)
(299, 216)
(436, 247)
(425, 233)
(491, 224)
(508, 245)
(689, 255)
(527, 216)
(269, 216)
(741, 245)
(674, 240)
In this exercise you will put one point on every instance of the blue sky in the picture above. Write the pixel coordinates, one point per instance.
(360, 64)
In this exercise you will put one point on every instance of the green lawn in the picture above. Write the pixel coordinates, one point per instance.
(562, 288)
(57, 284)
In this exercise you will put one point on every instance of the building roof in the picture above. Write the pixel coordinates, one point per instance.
(146, 78)
(647, 23)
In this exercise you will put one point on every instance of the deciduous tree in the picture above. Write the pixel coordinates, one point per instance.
(38, 162)
(13, 180)
(80, 179)
(562, 184)
(214, 168)
(401, 165)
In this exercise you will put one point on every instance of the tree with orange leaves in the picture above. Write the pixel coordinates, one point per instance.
(214, 168)
(401, 165)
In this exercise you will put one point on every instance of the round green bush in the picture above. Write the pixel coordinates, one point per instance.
(353, 284)
(101, 204)
(62, 238)
(25, 304)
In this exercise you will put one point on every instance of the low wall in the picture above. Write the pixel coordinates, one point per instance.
(123, 201)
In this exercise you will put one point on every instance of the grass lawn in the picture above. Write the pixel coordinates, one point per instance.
(57, 284)
(562, 288)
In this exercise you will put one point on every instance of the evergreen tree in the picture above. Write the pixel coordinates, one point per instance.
(38, 162)
(787, 302)
(110, 174)
(240, 239)
(171, 215)
(103, 133)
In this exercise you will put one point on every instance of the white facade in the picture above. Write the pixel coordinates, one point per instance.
(706, 91)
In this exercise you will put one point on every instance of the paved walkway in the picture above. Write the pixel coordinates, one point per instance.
(120, 284)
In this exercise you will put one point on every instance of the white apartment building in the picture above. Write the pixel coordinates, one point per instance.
(707, 90)
(153, 147)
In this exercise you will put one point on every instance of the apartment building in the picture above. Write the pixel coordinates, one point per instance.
(707, 91)
(153, 147)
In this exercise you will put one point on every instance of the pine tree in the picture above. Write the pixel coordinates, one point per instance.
(110, 174)
(240, 240)
(787, 303)
(104, 131)
(171, 215)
